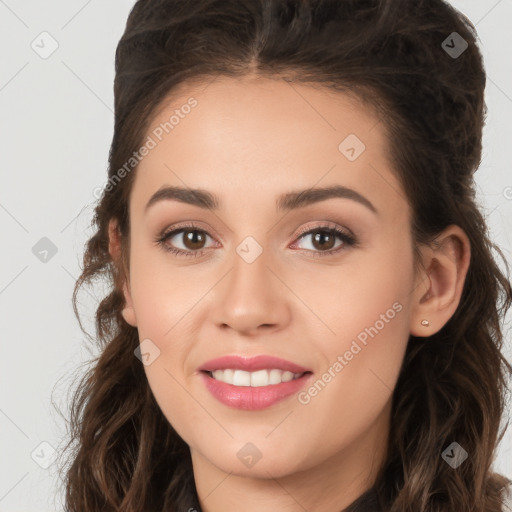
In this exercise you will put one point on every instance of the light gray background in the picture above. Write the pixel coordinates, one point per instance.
(56, 128)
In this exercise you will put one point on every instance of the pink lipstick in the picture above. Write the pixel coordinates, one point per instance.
(252, 374)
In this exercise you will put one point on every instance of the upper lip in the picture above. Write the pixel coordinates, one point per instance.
(250, 364)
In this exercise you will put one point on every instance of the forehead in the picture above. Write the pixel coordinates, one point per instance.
(260, 137)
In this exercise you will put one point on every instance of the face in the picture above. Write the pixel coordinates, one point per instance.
(325, 283)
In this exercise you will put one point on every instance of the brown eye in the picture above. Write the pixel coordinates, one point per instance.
(323, 240)
(193, 239)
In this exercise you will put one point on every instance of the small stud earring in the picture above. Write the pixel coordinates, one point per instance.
(425, 323)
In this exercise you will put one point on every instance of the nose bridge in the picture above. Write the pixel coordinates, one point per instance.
(251, 295)
(250, 279)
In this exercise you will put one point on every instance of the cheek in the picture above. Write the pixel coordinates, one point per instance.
(370, 318)
(176, 401)
(370, 288)
(164, 294)
(356, 385)
(166, 300)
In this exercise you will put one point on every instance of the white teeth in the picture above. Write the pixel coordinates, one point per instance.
(259, 378)
(254, 379)
(241, 378)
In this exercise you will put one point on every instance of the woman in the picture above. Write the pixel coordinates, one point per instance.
(290, 206)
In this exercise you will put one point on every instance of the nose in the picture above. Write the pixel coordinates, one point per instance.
(252, 298)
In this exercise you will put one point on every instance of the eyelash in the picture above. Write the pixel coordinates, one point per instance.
(348, 240)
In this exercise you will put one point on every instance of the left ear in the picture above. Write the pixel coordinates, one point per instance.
(446, 264)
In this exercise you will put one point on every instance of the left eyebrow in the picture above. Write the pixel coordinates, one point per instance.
(300, 198)
(287, 201)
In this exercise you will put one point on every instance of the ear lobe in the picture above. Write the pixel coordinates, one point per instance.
(128, 312)
(446, 268)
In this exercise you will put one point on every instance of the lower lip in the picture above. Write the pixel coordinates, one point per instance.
(253, 398)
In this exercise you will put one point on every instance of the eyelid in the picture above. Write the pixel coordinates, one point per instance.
(348, 238)
(295, 234)
(191, 225)
(175, 229)
(327, 225)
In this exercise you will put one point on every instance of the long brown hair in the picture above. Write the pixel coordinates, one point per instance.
(391, 54)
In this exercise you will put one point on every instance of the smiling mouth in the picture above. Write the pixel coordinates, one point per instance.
(259, 378)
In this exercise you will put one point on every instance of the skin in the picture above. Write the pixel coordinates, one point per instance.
(248, 141)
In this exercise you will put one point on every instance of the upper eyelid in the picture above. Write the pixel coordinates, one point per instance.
(175, 230)
(327, 225)
(192, 226)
